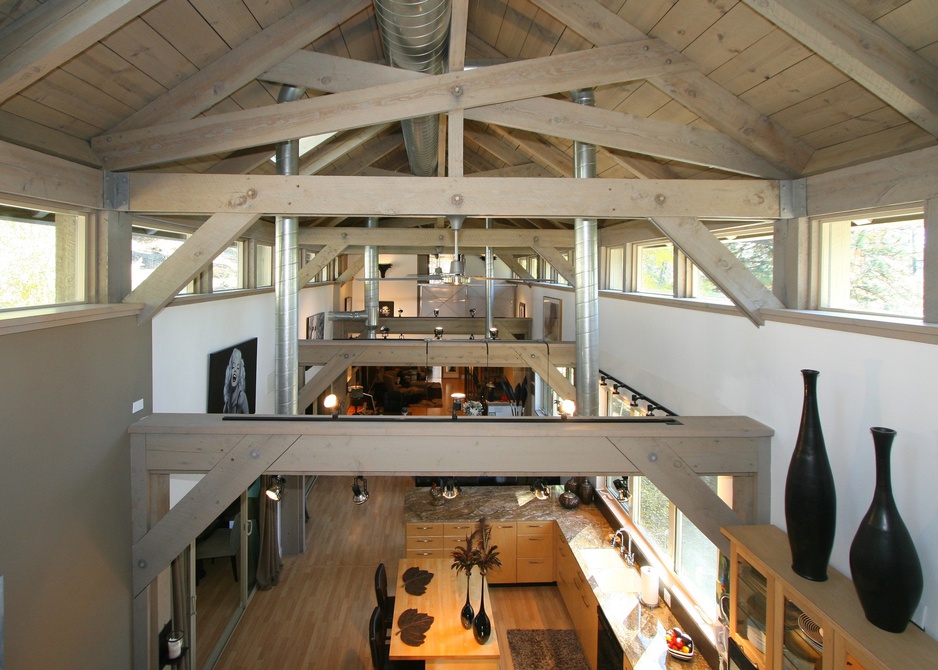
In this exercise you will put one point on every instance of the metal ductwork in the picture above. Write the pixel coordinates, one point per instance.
(586, 291)
(286, 269)
(415, 34)
(371, 285)
(489, 285)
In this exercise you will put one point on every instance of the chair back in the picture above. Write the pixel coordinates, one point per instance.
(377, 638)
(381, 590)
(234, 538)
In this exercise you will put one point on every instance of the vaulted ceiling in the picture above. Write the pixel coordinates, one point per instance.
(684, 89)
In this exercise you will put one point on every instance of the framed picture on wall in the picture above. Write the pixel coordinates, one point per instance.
(522, 310)
(450, 372)
(385, 308)
(348, 304)
(232, 379)
(316, 326)
(553, 319)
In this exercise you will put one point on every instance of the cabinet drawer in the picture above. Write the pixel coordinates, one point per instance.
(535, 528)
(535, 546)
(460, 530)
(414, 529)
(535, 570)
(424, 542)
(426, 553)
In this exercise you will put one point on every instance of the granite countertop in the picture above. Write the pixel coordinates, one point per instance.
(640, 629)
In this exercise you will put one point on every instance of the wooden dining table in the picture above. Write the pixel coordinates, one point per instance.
(447, 645)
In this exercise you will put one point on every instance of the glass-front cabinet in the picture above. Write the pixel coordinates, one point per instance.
(781, 621)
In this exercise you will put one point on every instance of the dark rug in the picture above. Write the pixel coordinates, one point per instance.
(546, 650)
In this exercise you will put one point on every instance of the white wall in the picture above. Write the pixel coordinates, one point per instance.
(699, 362)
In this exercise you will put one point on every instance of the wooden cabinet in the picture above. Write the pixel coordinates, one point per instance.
(535, 551)
(424, 539)
(504, 536)
(578, 598)
(781, 620)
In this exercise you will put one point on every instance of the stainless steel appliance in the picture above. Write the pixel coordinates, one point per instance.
(610, 655)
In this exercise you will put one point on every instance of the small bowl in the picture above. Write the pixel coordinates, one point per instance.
(680, 655)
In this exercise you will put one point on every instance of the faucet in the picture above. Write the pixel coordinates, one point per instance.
(620, 535)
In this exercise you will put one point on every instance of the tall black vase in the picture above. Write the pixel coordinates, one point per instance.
(482, 625)
(466, 615)
(886, 569)
(810, 497)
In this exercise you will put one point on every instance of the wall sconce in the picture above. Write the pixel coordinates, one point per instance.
(457, 402)
(438, 332)
(384, 331)
(650, 410)
(331, 403)
(400, 312)
(275, 490)
(451, 489)
(602, 380)
(567, 408)
(541, 490)
(360, 490)
(615, 389)
(472, 311)
(436, 312)
(493, 332)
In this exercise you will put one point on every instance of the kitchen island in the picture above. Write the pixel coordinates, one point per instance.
(639, 630)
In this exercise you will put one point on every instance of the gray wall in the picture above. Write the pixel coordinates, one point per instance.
(66, 397)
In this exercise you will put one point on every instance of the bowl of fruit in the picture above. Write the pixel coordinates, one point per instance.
(680, 644)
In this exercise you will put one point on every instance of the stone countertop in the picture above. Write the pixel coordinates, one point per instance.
(640, 629)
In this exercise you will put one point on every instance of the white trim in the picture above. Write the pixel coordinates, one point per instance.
(23, 320)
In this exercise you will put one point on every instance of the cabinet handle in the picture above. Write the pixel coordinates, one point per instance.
(424, 541)
(505, 527)
(424, 527)
(423, 553)
(535, 539)
(535, 562)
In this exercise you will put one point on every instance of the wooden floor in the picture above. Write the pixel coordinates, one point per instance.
(317, 617)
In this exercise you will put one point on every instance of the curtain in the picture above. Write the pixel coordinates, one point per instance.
(180, 586)
(269, 562)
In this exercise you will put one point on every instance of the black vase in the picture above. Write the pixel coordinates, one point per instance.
(466, 615)
(886, 569)
(810, 497)
(482, 625)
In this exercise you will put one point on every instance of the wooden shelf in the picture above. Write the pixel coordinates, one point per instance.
(835, 600)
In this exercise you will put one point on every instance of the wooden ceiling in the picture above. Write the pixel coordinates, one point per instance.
(783, 89)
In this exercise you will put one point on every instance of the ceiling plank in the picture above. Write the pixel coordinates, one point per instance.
(720, 108)
(27, 133)
(59, 37)
(863, 51)
(627, 132)
(382, 104)
(641, 167)
(440, 196)
(524, 170)
(719, 264)
(244, 63)
(547, 156)
(195, 254)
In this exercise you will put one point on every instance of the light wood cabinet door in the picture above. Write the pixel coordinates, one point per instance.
(504, 536)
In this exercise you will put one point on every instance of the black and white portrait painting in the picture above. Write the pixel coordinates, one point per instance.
(316, 326)
(232, 376)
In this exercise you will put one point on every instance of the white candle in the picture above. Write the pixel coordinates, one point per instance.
(649, 586)
(174, 645)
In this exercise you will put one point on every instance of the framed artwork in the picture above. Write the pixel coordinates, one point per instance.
(316, 326)
(450, 372)
(553, 319)
(385, 308)
(232, 379)
(348, 304)
(522, 310)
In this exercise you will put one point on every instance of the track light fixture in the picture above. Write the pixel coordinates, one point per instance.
(436, 312)
(275, 490)
(567, 408)
(602, 380)
(438, 332)
(360, 490)
(384, 331)
(615, 389)
(493, 333)
(451, 489)
(331, 403)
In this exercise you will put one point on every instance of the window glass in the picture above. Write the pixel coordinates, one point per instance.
(226, 269)
(149, 248)
(875, 265)
(42, 254)
(754, 252)
(655, 265)
(265, 267)
(652, 513)
(615, 269)
(696, 558)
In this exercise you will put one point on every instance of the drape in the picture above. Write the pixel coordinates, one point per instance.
(269, 562)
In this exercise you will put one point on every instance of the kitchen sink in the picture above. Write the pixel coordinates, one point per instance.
(610, 571)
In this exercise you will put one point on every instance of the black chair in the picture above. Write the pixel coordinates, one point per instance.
(385, 602)
(380, 648)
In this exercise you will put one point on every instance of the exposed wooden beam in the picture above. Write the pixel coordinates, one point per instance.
(386, 235)
(241, 65)
(495, 147)
(331, 369)
(382, 104)
(553, 256)
(355, 265)
(713, 103)
(377, 150)
(546, 155)
(242, 162)
(51, 142)
(525, 170)
(627, 132)
(634, 231)
(42, 46)
(195, 254)
(863, 51)
(323, 257)
(439, 196)
(492, 353)
(457, 60)
(26, 173)
(720, 265)
(326, 155)
(641, 167)
(516, 267)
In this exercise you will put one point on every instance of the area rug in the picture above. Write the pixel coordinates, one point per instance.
(546, 650)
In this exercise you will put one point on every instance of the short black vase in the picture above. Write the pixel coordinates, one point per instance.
(466, 615)
(810, 497)
(886, 569)
(482, 625)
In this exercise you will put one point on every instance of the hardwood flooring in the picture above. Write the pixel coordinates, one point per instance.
(317, 616)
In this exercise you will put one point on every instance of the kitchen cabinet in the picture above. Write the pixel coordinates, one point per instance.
(504, 536)
(535, 551)
(438, 539)
(424, 540)
(781, 620)
(578, 598)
